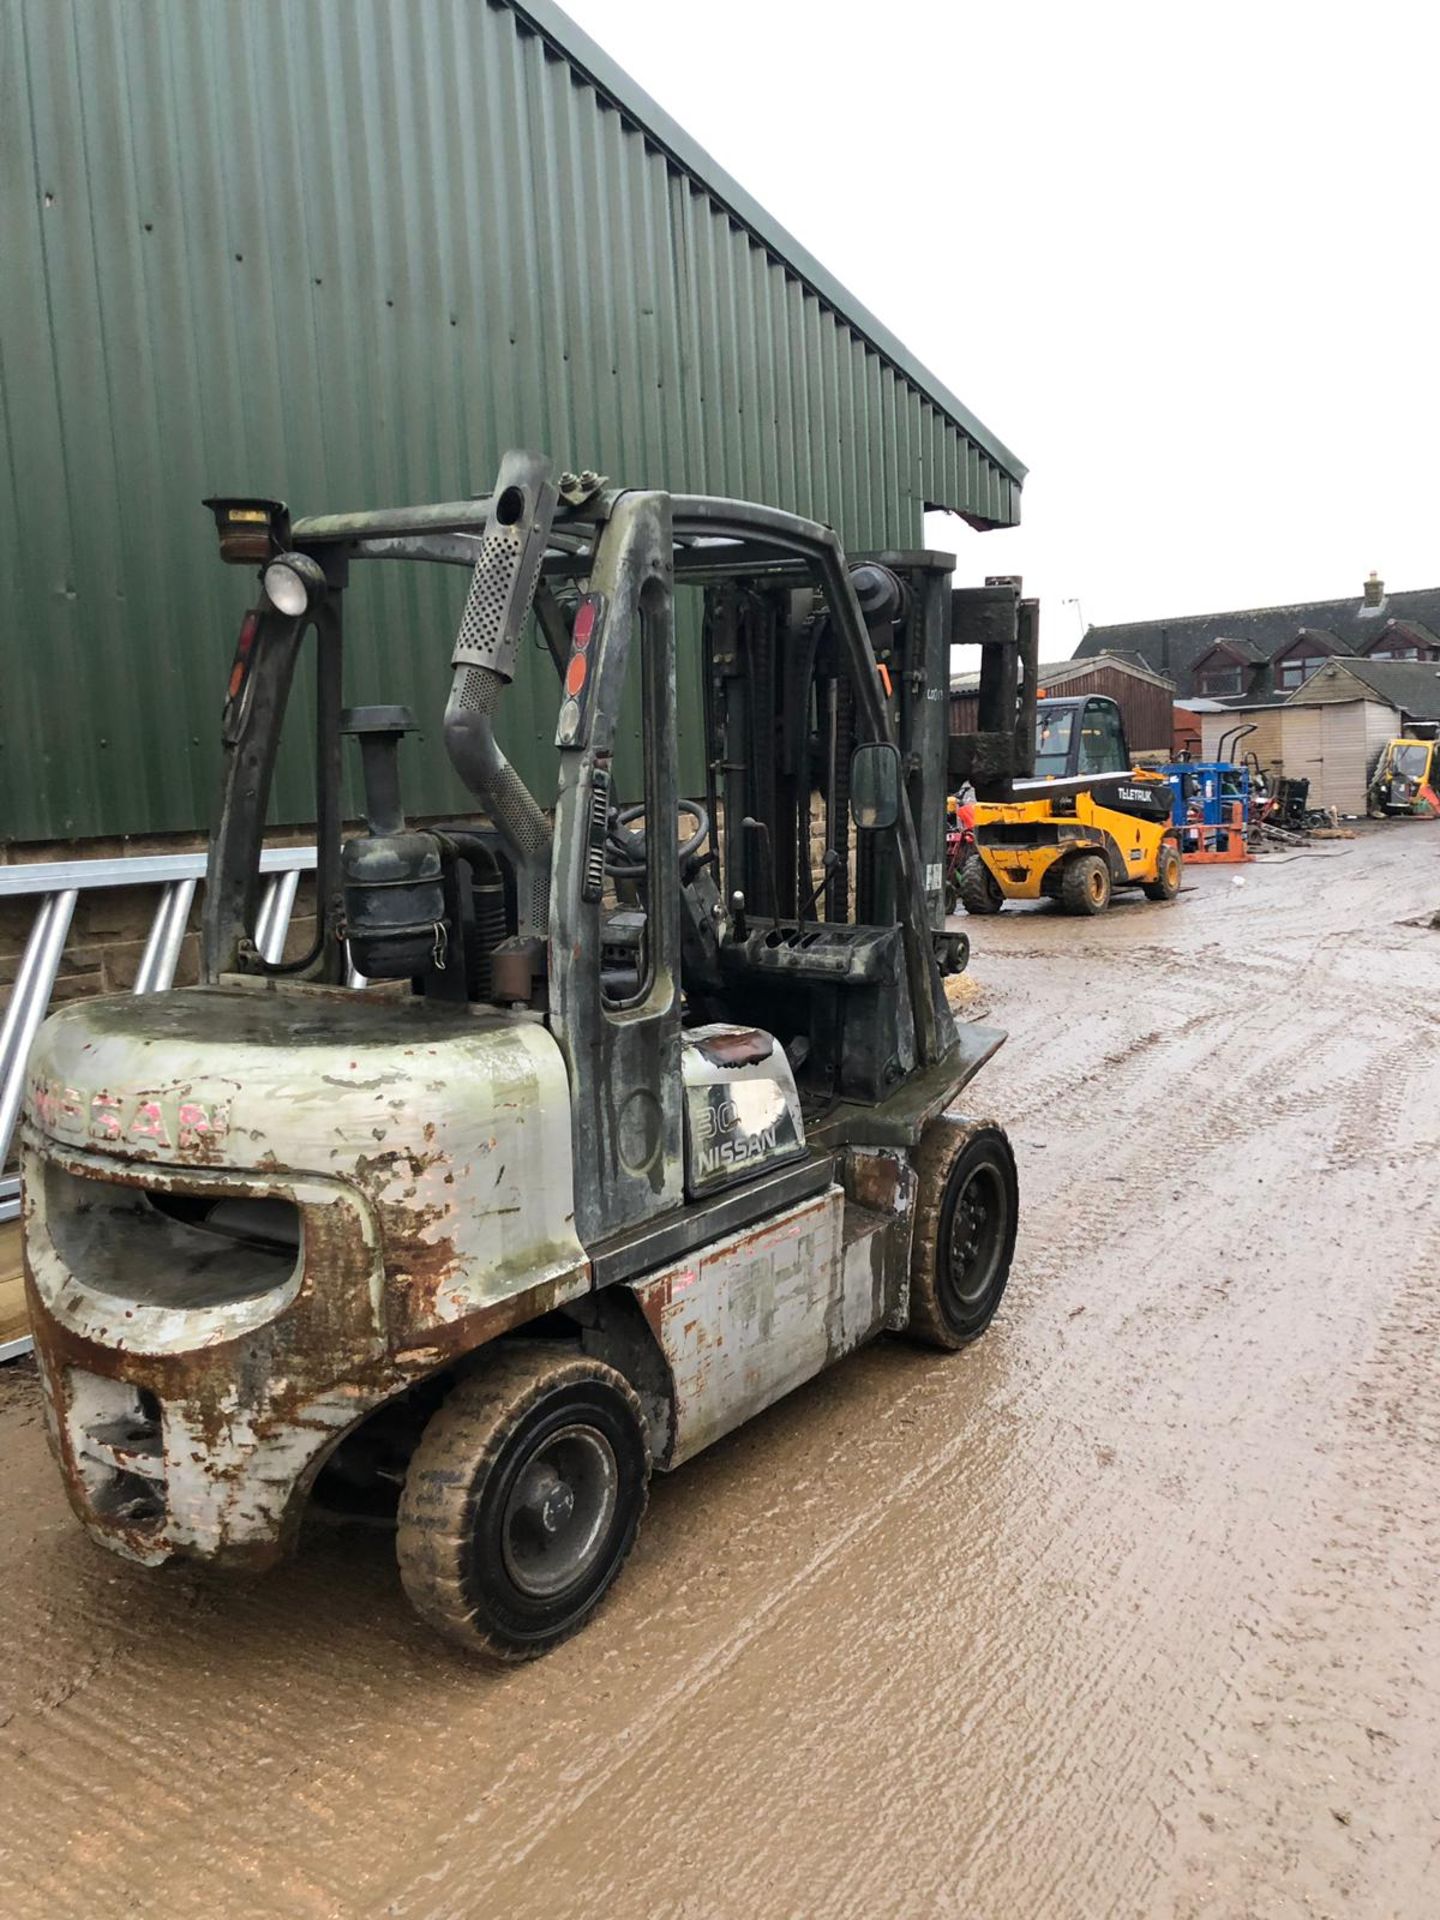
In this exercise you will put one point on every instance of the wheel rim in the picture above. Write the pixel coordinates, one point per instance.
(976, 1240)
(1097, 885)
(559, 1511)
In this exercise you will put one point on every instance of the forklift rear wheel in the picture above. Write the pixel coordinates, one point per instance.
(979, 889)
(522, 1501)
(966, 1213)
(1085, 885)
(1166, 883)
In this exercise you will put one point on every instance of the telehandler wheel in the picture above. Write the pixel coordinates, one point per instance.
(522, 1500)
(966, 1210)
(1168, 867)
(979, 890)
(1085, 884)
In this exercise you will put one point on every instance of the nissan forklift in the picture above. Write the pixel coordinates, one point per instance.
(588, 1124)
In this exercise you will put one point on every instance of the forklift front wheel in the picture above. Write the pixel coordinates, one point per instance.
(1166, 883)
(966, 1212)
(1085, 884)
(522, 1501)
(979, 889)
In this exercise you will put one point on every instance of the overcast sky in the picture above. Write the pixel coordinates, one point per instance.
(1181, 260)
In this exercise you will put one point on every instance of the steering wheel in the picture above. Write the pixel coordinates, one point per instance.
(625, 849)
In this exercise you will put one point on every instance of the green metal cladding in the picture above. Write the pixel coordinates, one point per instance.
(344, 253)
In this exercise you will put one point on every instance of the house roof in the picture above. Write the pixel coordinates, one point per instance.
(1060, 671)
(1173, 646)
(1227, 703)
(1312, 637)
(1413, 631)
(1239, 648)
(1411, 686)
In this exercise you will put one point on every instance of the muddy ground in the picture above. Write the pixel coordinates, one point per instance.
(1130, 1610)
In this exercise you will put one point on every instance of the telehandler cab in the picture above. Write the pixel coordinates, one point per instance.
(645, 1117)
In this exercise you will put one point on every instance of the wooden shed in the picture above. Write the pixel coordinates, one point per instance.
(1218, 727)
(1333, 744)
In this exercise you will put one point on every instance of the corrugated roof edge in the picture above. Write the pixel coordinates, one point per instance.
(573, 44)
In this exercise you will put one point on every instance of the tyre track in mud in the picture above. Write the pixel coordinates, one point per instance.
(1218, 1107)
(1347, 1816)
(1049, 1628)
(1082, 1697)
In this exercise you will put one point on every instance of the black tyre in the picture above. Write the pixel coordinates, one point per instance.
(979, 890)
(1085, 884)
(966, 1214)
(522, 1501)
(1168, 869)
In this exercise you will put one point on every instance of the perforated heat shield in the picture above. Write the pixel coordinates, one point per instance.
(503, 583)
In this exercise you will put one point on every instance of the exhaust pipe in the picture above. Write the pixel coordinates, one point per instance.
(487, 649)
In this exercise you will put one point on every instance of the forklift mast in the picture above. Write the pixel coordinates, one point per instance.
(1006, 628)
(781, 719)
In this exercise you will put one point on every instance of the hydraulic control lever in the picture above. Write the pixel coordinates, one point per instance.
(762, 833)
(830, 864)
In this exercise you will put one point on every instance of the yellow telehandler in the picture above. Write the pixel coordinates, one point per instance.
(1083, 825)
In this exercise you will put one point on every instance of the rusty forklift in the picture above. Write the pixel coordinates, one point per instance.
(645, 1113)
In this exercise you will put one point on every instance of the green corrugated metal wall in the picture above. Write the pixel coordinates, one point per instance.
(346, 252)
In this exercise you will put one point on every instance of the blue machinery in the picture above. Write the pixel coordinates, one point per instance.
(1211, 806)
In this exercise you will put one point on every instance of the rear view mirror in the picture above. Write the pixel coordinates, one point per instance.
(875, 785)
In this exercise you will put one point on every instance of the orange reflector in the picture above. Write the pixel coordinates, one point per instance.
(240, 667)
(884, 673)
(575, 675)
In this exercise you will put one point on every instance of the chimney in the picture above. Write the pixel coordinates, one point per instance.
(1374, 591)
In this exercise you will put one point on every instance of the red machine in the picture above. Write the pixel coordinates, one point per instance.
(959, 839)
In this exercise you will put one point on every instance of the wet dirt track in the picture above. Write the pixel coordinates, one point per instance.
(1130, 1610)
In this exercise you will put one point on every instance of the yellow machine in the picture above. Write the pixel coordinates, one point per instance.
(1085, 825)
(1406, 779)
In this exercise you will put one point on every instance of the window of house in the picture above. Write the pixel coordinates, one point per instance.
(1219, 680)
(1296, 671)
